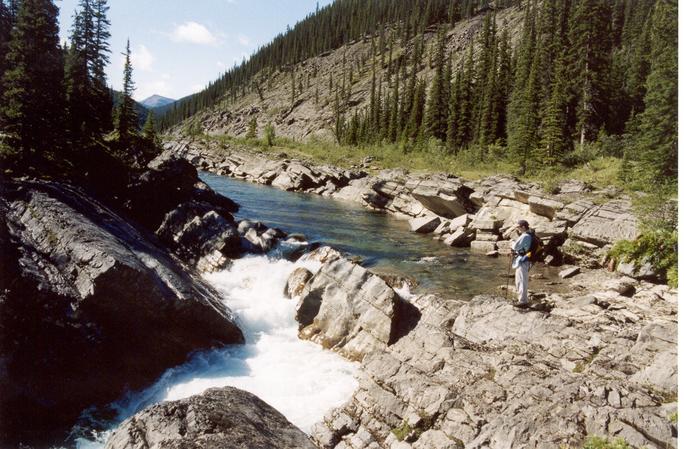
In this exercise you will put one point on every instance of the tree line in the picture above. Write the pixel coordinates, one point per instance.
(56, 104)
(585, 72)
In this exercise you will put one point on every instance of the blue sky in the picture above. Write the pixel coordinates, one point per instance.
(179, 46)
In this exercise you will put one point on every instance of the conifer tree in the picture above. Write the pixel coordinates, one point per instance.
(32, 102)
(149, 131)
(453, 118)
(590, 55)
(252, 128)
(657, 143)
(127, 117)
(466, 101)
(437, 110)
(415, 121)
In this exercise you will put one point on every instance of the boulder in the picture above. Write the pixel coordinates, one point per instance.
(296, 282)
(460, 222)
(642, 271)
(100, 308)
(424, 225)
(444, 196)
(569, 272)
(481, 247)
(460, 238)
(219, 418)
(544, 206)
(194, 230)
(349, 309)
(486, 224)
(606, 224)
(573, 186)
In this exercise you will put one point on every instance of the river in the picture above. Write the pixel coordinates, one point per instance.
(298, 378)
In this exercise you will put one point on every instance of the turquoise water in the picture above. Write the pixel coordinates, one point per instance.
(383, 242)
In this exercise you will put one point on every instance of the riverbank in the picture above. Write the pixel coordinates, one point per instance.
(578, 224)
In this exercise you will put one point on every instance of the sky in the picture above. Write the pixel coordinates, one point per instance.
(179, 46)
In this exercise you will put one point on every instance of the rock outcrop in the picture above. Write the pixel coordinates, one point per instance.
(480, 215)
(483, 374)
(91, 306)
(220, 418)
(349, 309)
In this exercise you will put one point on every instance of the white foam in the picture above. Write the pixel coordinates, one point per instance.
(298, 378)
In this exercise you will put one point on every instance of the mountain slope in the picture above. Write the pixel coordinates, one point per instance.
(316, 81)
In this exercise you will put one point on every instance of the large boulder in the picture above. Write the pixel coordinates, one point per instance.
(347, 308)
(220, 418)
(444, 196)
(91, 307)
(606, 224)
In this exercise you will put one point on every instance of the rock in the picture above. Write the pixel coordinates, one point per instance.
(115, 310)
(493, 253)
(482, 247)
(573, 212)
(461, 222)
(443, 227)
(220, 418)
(486, 224)
(582, 253)
(322, 255)
(444, 196)
(544, 206)
(553, 229)
(460, 238)
(486, 236)
(194, 230)
(606, 224)
(569, 272)
(424, 225)
(296, 282)
(573, 186)
(347, 308)
(643, 271)
(624, 286)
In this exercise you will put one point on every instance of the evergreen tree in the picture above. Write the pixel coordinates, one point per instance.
(415, 121)
(590, 55)
(127, 117)
(466, 99)
(252, 128)
(149, 131)
(437, 109)
(269, 134)
(657, 142)
(32, 102)
(453, 119)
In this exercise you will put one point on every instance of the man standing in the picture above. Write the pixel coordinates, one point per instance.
(521, 262)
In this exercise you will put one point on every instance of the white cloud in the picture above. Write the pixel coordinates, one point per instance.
(142, 59)
(243, 40)
(194, 33)
(196, 87)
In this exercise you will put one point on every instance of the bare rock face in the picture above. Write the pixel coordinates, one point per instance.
(91, 307)
(296, 282)
(349, 309)
(220, 418)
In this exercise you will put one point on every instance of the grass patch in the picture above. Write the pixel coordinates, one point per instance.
(582, 365)
(595, 442)
(402, 431)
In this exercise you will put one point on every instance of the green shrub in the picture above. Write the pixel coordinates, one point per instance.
(595, 442)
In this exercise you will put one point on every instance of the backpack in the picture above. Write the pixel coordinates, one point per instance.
(537, 248)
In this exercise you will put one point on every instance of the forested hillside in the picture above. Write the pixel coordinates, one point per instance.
(549, 83)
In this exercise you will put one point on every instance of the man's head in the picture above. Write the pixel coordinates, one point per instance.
(523, 225)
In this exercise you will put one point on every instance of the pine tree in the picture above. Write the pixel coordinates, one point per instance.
(657, 143)
(436, 115)
(252, 128)
(466, 102)
(590, 55)
(453, 118)
(149, 131)
(127, 117)
(415, 121)
(32, 103)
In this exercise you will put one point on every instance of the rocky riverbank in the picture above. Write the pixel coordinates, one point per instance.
(577, 224)
(481, 374)
(101, 293)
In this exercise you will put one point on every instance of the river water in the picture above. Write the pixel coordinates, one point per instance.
(298, 378)
(384, 242)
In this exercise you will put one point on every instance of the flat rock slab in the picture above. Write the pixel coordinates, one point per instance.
(544, 206)
(424, 225)
(606, 224)
(569, 272)
(220, 418)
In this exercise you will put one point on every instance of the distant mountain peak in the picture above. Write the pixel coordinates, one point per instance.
(156, 101)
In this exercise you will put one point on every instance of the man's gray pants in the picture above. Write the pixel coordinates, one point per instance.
(521, 279)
